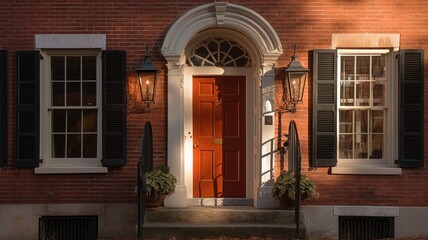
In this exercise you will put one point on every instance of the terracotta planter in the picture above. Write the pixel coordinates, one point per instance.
(286, 203)
(154, 202)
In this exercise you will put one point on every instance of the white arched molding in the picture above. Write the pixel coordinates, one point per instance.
(239, 24)
(224, 15)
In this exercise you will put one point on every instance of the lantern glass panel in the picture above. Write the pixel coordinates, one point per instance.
(146, 81)
(296, 84)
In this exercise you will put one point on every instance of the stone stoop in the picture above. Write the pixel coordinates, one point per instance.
(198, 222)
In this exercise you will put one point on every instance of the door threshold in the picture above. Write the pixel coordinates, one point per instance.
(219, 202)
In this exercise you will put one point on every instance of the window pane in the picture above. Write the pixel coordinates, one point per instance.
(73, 94)
(363, 94)
(224, 46)
(202, 51)
(345, 120)
(74, 121)
(346, 93)
(90, 120)
(241, 61)
(363, 67)
(345, 146)
(361, 121)
(73, 68)
(196, 60)
(212, 60)
(89, 68)
(377, 146)
(58, 94)
(58, 121)
(90, 145)
(73, 146)
(378, 67)
(58, 145)
(360, 146)
(212, 47)
(347, 65)
(379, 93)
(89, 94)
(57, 68)
(235, 52)
(377, 121)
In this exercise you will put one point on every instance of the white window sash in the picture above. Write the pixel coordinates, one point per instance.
(390, 141)
(46, 118)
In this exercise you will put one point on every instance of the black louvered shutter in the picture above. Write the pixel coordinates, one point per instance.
(114, 108)
(27, 108)
(3, 107)
(324, 109)
(411, 108)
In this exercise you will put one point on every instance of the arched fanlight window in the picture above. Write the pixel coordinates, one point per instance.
(218, 52)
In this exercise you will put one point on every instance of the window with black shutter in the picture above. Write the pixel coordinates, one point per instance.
(83, 128)
(354, 115)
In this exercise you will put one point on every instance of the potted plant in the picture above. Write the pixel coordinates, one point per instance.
(284, 188)
(159, 184)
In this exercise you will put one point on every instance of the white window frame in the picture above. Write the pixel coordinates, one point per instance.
(67, 44)
(387, 165)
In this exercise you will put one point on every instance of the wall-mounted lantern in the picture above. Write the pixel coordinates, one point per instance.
(295, 80)
(146, 77)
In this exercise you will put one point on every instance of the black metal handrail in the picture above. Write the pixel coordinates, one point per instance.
(141, 199)
(295, 165)
(145, 163)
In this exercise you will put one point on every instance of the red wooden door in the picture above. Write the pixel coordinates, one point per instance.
(219, 130)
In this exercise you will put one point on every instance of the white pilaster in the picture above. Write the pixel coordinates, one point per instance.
(176, 134)
(267, 133)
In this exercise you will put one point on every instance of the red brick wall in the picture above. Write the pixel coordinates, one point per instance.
(129, 25)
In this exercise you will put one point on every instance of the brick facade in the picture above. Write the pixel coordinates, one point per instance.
(129, 25)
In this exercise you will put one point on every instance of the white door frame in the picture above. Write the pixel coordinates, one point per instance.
(188, 121)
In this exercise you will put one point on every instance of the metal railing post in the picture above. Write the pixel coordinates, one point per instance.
(295, 161)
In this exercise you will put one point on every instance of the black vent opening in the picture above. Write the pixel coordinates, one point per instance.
(365, 228)
(68, 227)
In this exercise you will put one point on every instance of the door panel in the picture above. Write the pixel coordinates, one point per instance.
(206, 116)
(231, 163)
(219, 151)
(231, 120)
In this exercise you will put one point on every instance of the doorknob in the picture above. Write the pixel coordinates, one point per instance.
(195, 145)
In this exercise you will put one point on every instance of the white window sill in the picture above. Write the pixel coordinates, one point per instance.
(366, 170)
(70, 170)
(376, 211)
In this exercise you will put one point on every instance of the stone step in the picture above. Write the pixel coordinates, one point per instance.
(207, 222)
(193, 231)
(236, 214)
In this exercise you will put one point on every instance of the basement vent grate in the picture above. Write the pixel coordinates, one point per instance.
(365, 228)
(68, 227)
